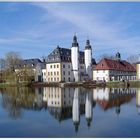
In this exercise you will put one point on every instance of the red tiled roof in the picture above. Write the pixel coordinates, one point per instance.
(115, 102)
(109, 64)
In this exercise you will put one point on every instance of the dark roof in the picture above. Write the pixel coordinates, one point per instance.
(30, 63)
(64, 55)
(109, 64)
(88, 46)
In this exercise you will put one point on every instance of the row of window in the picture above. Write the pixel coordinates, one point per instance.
(54, 66)
(65, 72)
(64, 66)
(53, 73)
(53, 79)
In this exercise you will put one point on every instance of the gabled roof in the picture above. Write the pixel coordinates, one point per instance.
(109, 64)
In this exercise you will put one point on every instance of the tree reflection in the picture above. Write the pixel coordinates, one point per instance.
(66, 103)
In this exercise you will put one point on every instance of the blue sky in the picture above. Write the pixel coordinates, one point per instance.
(35, 29)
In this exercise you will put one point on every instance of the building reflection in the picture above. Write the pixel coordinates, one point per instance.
(115, 97)
(88, 107)
(76, 109)
(138, 101)
(67, 103)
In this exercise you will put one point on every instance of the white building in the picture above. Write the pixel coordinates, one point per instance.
(138, 68)
(68, 65)
(114, 70)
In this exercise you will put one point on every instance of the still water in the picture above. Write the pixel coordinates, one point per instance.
(69, 112)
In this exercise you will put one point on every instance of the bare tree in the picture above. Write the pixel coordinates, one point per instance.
(106, 56)
(12, 59)
(2, 64)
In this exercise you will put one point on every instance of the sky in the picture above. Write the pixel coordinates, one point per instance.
(35, 29)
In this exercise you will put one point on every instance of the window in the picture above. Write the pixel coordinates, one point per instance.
(64, 79)
(50, 66)
(63, 65)
(64, 72)
(57, 79)
(54, 66)
(48, 79)
(69, 79)
(57, 72)
(48, 73)
(54, 73)
(54, 79)
(57, 66)
(51, 73)
(68, 72)
(51, 79)
(69, 66)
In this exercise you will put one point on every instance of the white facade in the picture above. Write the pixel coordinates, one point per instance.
(101, 75)
(53, 72)
(138, 68)
(75, 62)
(113, 75)
(44, 78)
(88, 61)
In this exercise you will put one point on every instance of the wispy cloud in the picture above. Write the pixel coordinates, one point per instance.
(104, 34)
(110, 27)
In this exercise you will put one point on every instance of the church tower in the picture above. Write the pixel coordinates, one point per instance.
(75, 58)
(88, 60)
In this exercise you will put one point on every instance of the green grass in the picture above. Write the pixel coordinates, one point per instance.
(121, 84)
(13, 84)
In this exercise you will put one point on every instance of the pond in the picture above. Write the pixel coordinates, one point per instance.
(69, 112)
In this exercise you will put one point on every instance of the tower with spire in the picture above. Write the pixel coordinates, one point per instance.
(75, 58)
(138, 68)
(88, 60)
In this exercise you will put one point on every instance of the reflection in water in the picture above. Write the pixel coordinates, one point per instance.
(138, 101)
(88, 107)
(66, 103)
(76, 109)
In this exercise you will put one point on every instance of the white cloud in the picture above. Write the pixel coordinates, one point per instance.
(104, 33)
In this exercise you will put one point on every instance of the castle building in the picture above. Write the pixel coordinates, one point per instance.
(114, 70)
(138, 69)
(69, 65)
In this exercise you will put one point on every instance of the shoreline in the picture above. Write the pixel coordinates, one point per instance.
(90, 84)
